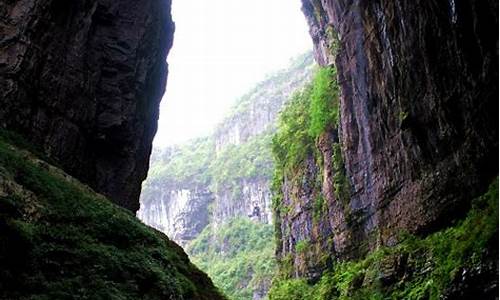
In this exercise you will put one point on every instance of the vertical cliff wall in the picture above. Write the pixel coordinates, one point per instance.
(83, 80)
(417, 135)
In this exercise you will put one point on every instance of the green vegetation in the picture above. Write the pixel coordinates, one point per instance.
(319, 207)
(246, 262)
(238, 256)
(309, 113)
(340, 182)
(333, 38)
(237, 162)
(180, 164)
(60, 240)
(291, 289)
(292, 142)
(197, 163)
(324, 107)
(271, 88)
(435, 261)
(302, 246)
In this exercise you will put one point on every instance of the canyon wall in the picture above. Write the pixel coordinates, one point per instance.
(180, 213)
(83, 80)
(80, 85)
(417, 136)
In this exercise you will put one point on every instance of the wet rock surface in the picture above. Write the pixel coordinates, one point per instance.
(83, 80)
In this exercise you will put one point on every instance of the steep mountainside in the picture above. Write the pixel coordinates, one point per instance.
(238, 256)
(396, 135)
(230, 170)
(61, 240)
(83, 79)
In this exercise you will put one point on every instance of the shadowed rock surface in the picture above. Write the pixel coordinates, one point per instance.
(83, 80)
(80, 84)
(418, 124)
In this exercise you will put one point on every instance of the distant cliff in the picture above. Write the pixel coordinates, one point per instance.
(83, 79)
(226, 175)
(212, 195)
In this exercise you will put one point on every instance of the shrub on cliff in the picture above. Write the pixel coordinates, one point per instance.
(324, 110)
(428, 267)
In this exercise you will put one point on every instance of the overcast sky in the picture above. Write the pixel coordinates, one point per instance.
(221, 49)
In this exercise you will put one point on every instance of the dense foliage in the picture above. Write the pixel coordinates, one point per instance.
(248, 160)
(436, 261)
(309, 113)
(292, 141)
(238, 256)
(197, 162)
(187, 162)
(324, 111)
(60, 240)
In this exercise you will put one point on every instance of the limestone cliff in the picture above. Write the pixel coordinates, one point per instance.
(83, 80)
(176, 206)
(256, 112)
(417, 134)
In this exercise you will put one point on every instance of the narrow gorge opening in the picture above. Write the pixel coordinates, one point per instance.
(375, 172)
(232, 68)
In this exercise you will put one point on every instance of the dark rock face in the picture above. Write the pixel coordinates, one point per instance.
(83, 80)
(418, 127)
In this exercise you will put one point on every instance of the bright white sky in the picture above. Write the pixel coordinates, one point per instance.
(221, 49)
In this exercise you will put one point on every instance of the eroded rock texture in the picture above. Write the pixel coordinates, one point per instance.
(418, 127)
(83, 80)
(181, 211)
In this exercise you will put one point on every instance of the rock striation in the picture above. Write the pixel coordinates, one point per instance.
(179, 209)
(83, 80)
(418, 130)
